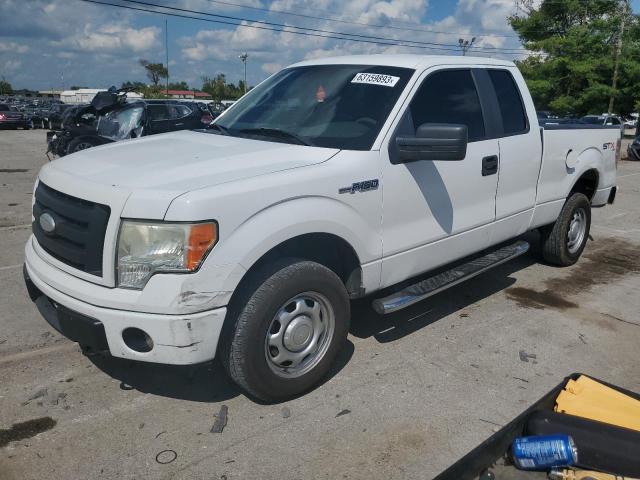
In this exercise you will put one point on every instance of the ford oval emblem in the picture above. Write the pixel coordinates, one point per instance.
(47, 223)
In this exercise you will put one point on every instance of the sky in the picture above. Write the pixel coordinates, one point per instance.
(48, 44)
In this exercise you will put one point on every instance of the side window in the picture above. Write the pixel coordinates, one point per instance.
(514, 119)
(449, 96)
(178, 111)
(157, 112)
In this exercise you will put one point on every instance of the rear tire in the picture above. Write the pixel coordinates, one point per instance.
(564, 241)
(285, 329)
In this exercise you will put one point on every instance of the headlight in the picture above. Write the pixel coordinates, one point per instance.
(147, 248)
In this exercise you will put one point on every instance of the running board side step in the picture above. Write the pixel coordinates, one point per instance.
(432, 285)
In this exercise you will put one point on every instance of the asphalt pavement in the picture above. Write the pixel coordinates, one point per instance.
(410, 394)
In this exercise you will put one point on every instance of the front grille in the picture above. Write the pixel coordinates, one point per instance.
(80, 225)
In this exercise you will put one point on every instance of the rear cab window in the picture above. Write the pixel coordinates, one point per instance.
(512, 111)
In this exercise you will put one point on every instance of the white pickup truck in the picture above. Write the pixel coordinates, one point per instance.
(329, 181)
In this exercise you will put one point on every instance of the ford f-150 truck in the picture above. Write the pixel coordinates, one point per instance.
(331, 180)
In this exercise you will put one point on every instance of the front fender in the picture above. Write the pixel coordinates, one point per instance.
(280, 222)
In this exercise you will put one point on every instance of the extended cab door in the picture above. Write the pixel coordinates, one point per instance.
(520, 151)
(438, 211)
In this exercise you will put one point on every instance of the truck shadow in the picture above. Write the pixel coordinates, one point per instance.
(365, 322)
(206, 382)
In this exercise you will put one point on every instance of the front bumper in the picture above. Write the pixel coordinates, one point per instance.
(177, 339)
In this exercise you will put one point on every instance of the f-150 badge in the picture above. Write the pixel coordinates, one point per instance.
(361, 186)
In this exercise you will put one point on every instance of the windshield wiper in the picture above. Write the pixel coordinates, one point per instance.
(221, 129)
(277, 133)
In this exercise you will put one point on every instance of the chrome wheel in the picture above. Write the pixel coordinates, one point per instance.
(300, 334)
(577, 230)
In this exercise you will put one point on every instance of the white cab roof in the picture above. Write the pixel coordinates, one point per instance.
(407, 61)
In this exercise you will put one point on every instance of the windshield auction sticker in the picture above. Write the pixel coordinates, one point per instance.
(376, 79)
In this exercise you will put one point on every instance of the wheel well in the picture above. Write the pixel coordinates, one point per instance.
(324, 248)
(587, 184)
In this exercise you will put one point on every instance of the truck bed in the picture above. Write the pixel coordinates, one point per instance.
(569, 150)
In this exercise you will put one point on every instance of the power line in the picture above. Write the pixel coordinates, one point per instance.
(411, 27)
(316, 30)
(285, 29)
(353, 22)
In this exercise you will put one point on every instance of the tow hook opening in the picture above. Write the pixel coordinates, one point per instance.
(137, 340)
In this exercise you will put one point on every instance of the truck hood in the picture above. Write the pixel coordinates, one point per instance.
(152, 171)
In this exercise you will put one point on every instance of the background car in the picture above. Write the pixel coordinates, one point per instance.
(10, 117)
(53, 116)
(35, 117)
(633, 150)
(85, 128)
(603, 120)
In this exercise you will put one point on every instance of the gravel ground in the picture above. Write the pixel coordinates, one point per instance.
(411, 393)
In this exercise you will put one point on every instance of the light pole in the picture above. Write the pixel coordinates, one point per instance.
(465, 45)
(166, 53)
(244, 57)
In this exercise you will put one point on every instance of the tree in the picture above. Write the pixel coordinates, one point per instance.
(219, 89)
(155, 71)
(5, 87)
(135, 85)
(179, 86)
(76, 87)
(576, 45)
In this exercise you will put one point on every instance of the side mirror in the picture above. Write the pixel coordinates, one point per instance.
(433, 141)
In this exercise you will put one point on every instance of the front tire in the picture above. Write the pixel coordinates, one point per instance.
(563, 242)
(287, 326)
(78, 144)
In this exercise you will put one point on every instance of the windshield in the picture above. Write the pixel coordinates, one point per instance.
(333, 106)
(121, 124)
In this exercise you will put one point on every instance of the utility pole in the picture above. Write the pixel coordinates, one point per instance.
(244, 57)
(616, 67)
(465, 45)
(166, 52)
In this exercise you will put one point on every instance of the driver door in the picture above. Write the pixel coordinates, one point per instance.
(438, 211)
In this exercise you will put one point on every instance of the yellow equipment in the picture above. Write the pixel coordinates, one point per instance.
(571, 474)
(587, 398)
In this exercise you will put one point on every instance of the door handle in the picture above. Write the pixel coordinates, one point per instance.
(489, 165)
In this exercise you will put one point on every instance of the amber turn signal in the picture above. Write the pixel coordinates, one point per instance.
(202, 237)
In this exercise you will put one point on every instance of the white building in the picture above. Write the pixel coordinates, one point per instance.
(85, 95)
